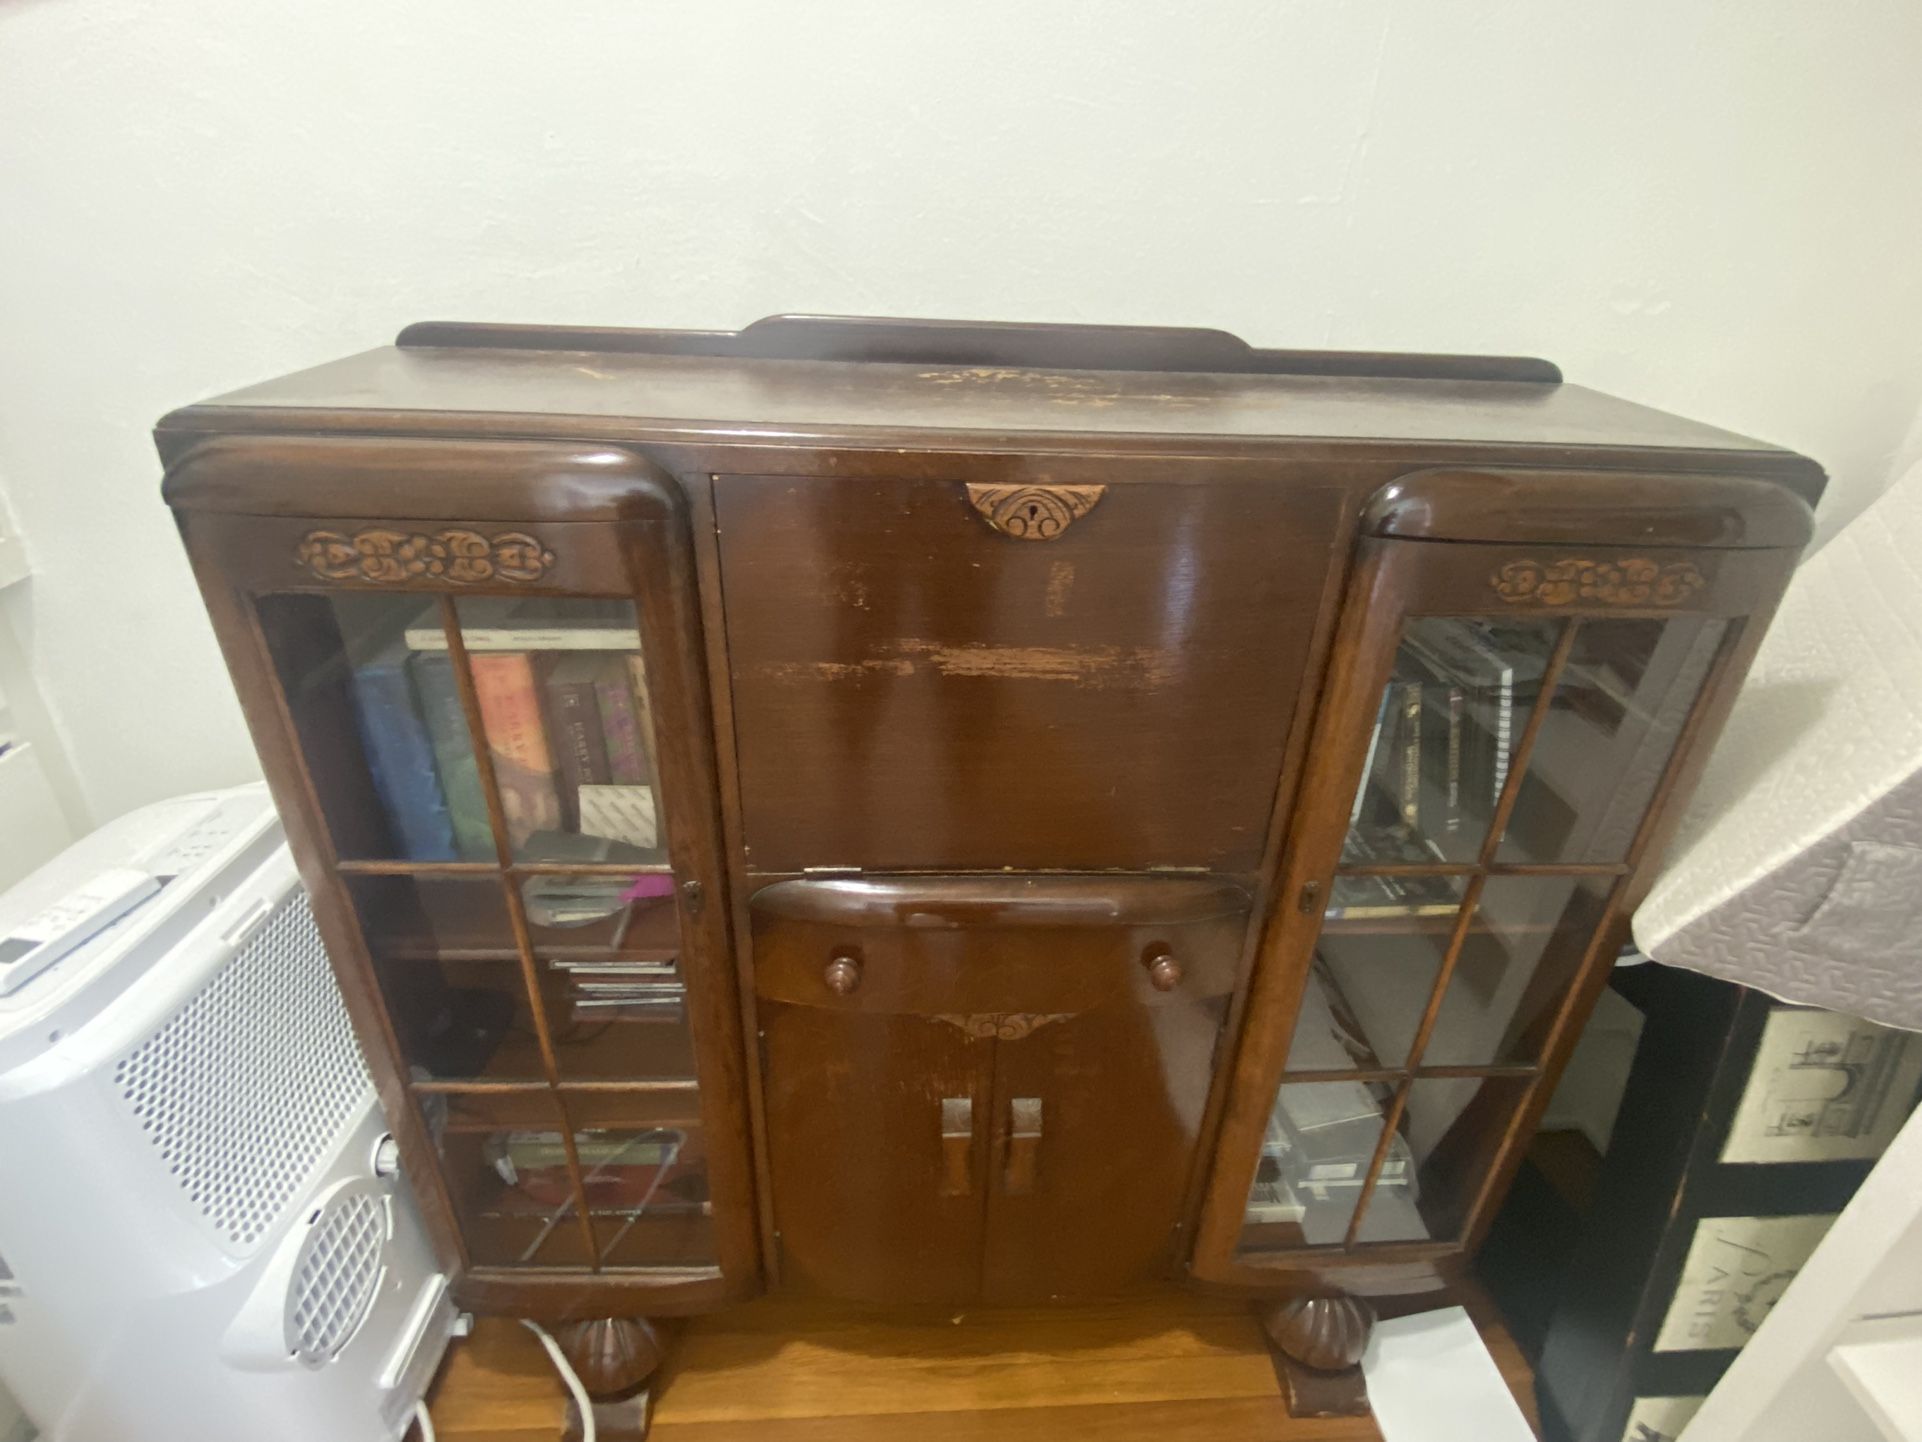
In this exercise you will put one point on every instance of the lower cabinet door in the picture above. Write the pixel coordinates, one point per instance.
(1094, 1125)
(877, 1152)
(987, 1090)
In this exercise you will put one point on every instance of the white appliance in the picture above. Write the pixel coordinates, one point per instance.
(202, 1235)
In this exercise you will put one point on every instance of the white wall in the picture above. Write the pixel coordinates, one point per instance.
(1712, 205)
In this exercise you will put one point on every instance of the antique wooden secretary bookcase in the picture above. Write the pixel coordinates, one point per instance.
(960, 814)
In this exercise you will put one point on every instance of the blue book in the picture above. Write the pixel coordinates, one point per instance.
(446, 721)
(400, 754)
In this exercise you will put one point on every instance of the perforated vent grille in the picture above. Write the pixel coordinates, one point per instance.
(248, 1085)
(336, 1277)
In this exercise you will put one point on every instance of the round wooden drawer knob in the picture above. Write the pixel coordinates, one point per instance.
(1164, 973)
(842, 975)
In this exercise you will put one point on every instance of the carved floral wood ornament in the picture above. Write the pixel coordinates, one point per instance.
(1632, 581)
(1002, 1026)
(377, 554)
(1033, 513)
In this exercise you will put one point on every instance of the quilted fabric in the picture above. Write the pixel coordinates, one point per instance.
(1798, 868)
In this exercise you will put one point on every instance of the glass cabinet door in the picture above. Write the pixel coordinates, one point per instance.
(488, 773)
(1510, 765)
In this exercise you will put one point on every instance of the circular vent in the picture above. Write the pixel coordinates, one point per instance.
(336, 1276)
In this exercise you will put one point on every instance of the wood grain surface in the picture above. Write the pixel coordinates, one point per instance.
(1169, 1368)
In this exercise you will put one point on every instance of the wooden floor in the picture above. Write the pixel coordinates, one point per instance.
(1173, 1368)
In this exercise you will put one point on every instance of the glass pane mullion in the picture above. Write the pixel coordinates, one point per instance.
(510, 891)
(1390, 1129)
(1504, 807)
(537, 1010)
(1524, 749)
(1464, 920)
(1618, 711)
(1703, 683)
(1413, 874)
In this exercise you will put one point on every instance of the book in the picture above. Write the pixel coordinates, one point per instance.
(598, 967)
(1271, 1201)
(1407, 694)
(569, 901)
(446, 719)
(532, 623)
(510, 706)
(1443, 707)
(1321, 1138)
(628, 763)
(1327, 1130)
(621, 1171)
(1392, 775)
(1355, 898)
(1374, 898)
(1368, 761)
(620, 813)
(400, 756)
(1468, 657)
(573, 709)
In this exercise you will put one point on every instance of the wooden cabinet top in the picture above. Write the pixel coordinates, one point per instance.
(931, 385)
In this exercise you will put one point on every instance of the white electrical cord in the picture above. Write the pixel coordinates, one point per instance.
(424, 1422)
(569, 1376)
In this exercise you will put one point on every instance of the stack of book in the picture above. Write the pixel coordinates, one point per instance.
(1320, 1139)
(564, 704)
(624, 1173)
(639, 991)
(1359, 898)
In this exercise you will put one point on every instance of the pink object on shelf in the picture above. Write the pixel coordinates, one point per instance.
(646, 888)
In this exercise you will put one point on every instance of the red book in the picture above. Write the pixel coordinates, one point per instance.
(510, 705)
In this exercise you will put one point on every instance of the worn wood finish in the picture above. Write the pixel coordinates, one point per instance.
(878, 645)
(876, 1097)
(1011, 689)
(1584, 508)
(445, 480)
(654, 400)
(1184, 1367)
(981, 343)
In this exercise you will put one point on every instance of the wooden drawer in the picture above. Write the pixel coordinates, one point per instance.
(971, 945)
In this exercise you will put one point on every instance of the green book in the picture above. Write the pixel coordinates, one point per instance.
(453, 753)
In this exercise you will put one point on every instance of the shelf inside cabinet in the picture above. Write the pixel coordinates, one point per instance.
(1429, 925)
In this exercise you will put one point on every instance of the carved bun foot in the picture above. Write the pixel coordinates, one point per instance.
(613, 1356)
(1317, 1342)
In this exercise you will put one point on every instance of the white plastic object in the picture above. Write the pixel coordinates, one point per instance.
(569, 1378)
(196, 1247)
